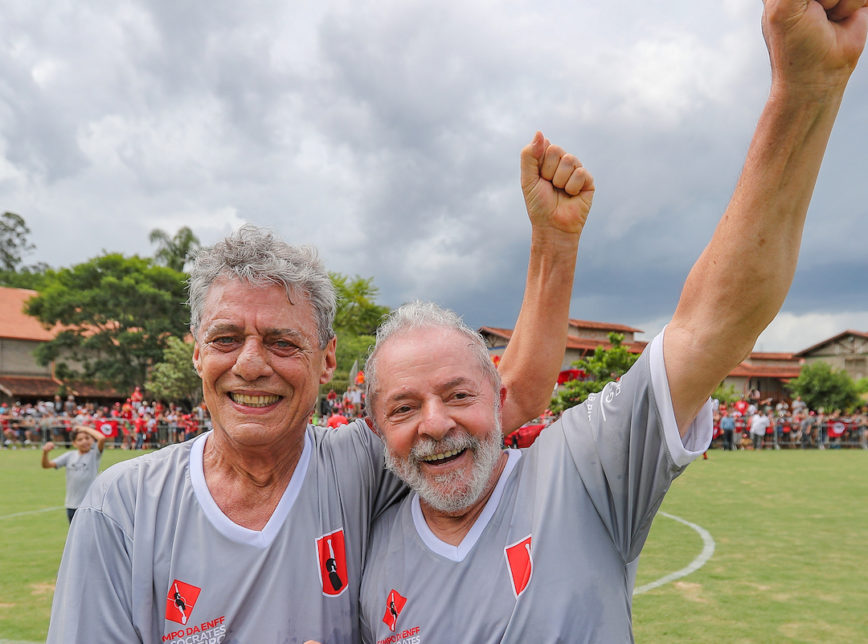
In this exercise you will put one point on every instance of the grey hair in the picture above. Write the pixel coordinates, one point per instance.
(255, 255)
(419, 315)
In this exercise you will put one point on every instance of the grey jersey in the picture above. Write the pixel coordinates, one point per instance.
(151, 558)
(552, 556)
(81, 471)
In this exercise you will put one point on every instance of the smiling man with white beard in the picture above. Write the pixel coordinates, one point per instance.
(428, 468)
(541, 544)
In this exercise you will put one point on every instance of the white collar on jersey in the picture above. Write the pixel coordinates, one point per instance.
(228, 528)
(459, 552)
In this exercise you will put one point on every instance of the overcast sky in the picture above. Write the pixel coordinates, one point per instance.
(388, 135)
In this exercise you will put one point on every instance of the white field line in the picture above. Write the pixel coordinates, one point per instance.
(21, 514)
(693, 566)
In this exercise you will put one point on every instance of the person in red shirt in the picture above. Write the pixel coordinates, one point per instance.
(136, 398)
(141, 425)
(337, 420)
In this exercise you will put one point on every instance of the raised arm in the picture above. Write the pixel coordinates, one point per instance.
(740, 281)
(97, 436)
(47, 463)
(558, 192)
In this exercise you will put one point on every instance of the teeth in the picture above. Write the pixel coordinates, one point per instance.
(439, 457)
(254, 401)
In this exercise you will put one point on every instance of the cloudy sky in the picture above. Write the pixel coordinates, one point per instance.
(387, 134)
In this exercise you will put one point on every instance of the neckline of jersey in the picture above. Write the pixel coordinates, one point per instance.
(223, 524)
(459, 553)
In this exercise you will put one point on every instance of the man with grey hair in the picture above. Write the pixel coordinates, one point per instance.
(549, 536)
(257, 531)
(456, 491)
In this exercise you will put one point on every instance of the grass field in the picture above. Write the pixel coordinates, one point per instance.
(790, 531)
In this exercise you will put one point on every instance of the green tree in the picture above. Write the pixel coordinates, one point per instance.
(820, 385)
(31, 277)
(726, 394)
(356, 321)
(603, 366)
(357, 313)
(13, 241)
(116, 313)
(174, 250)
(13, 246)
(174, 379)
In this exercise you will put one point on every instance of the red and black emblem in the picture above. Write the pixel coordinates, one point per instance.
(180, 601)
(520, 563)
(394, 605)
(332, 563)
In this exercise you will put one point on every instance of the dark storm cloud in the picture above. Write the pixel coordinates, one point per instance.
(388, 135)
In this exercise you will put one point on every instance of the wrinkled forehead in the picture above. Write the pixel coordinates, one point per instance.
(232, 282)
(426, 344)
(431, 354)
(230, 297)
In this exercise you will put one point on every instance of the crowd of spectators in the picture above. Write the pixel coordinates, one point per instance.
(135, 423)
(777, 424)
(753, 424)
(335, 410)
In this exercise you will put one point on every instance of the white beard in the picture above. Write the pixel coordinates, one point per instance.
(452, 492)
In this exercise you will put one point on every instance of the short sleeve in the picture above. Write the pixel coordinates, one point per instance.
(626, 449)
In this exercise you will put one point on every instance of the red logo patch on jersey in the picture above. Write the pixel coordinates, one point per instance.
(394, 605)
(332, 563)
(520, 563)
(180, 601)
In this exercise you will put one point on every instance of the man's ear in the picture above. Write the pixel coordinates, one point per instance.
(329, 361)
(197, 362)
(370, 424)
(502, 400)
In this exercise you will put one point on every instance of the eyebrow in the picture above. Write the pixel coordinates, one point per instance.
(267, 333)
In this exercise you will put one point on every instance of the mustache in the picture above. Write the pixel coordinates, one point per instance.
(427, 447)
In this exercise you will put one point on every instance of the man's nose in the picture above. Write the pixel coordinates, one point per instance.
(436, 419)
(253, 360)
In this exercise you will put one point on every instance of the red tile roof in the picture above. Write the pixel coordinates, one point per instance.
(14, 322)
(745, 370)
(498, 331)
(90, 391)
(585, 344)
(573, 341)
(17, 386)
(604, 326)
(44, 387)
(759, 355)
(834, 338)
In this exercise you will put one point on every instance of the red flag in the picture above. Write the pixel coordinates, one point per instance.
(108, 428)
(332, 563)
(520, 563)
